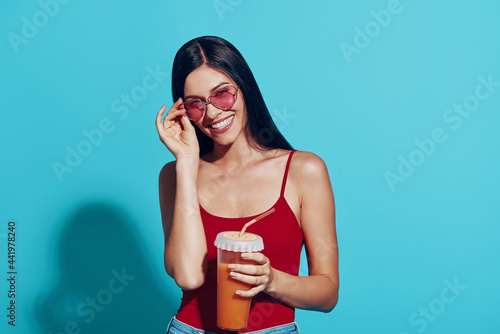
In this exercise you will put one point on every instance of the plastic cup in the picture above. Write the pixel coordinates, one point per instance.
(233, 310)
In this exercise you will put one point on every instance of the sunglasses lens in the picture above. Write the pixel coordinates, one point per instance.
(194, 109)
(224, 98)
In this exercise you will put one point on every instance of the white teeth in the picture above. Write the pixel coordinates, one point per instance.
(222, 124)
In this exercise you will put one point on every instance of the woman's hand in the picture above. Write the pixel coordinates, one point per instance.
(177, 132)
(260, 275)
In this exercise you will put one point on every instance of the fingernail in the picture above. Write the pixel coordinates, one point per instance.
(244, 255)
(232, 274)
(231, 266)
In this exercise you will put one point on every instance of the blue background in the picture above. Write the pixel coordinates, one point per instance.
(402, 244)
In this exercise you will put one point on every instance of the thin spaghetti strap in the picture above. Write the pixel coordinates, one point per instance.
(283, 184)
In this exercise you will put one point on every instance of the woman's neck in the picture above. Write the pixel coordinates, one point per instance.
(240, 153)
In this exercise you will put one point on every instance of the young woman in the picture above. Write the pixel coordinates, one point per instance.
(232, 164)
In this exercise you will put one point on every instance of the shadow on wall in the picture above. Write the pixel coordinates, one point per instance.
(107, 282)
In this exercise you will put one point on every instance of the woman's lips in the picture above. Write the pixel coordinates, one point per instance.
(222, 125)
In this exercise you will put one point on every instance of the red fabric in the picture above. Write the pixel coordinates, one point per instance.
(283, 241)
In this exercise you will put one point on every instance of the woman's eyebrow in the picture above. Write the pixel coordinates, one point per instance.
(211, 90)
(215, 88)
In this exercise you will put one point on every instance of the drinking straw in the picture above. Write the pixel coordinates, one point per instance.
(268, 212)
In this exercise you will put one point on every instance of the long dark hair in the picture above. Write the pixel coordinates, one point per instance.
(221, 55)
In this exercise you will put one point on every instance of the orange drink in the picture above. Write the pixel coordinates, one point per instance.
(233, 310)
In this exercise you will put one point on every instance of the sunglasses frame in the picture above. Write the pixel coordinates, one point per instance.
(210, 102)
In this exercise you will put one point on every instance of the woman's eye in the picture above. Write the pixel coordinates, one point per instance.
(193, 103)
(221, 91)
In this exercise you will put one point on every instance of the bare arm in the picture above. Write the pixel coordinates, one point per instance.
(319, 290)
(185, 245)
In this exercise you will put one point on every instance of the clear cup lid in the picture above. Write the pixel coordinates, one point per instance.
(231, 241)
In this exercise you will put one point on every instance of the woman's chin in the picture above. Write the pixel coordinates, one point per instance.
(225, 142)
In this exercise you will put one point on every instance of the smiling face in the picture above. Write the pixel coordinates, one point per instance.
(225, 127)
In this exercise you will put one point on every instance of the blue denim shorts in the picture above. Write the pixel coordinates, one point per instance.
(177, 327)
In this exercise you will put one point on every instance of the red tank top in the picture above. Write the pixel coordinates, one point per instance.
(283, 241)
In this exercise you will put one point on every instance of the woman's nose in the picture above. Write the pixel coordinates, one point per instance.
(212, 112)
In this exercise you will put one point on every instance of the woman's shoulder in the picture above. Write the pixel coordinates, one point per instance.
(307, 161)
(307, 166)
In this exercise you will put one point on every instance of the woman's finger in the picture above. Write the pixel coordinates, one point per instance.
(248, 269)
(186, 124)
(174, 113)
(249, 279)
(257, 257)
(159, 117)
(176, 106)
(250, 293)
